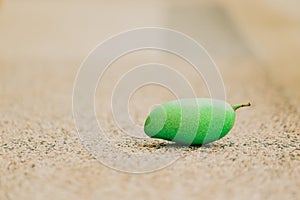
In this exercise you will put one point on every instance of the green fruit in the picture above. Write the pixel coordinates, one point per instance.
(191, 121)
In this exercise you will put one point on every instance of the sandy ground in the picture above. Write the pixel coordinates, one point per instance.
(41, 155)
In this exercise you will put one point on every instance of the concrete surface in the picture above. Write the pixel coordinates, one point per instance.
(41, 157)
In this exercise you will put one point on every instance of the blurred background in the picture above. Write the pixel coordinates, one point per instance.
(68, 30)
(255, 44)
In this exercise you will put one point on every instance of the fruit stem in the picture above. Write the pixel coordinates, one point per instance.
(237, 106)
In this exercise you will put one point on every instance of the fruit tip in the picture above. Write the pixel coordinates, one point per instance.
(237, 106)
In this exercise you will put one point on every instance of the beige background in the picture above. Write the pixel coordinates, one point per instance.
(255, 45)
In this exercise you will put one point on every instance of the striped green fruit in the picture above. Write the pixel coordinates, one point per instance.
(191, 121)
